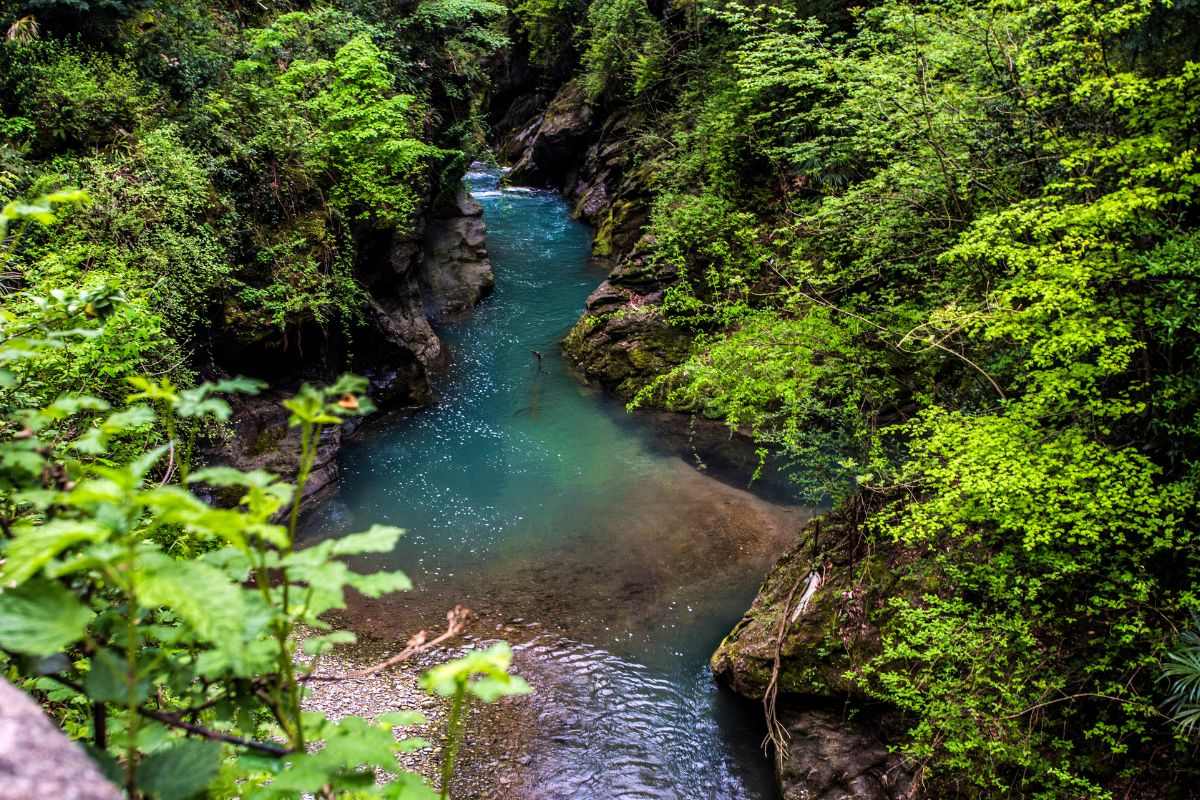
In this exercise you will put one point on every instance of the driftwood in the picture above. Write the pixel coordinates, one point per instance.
(38, 761)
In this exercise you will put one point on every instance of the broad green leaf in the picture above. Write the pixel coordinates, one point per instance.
(484, 673)
(401, 719)
(319, 645)
(408, 786)
(108, 679)
(378, 539)
(41, 617)
(377, 584)
(203, 596)
(181, 771)
(35, 546)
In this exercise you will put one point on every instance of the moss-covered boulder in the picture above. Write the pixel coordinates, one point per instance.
(821, 610)
(818, 640)
(622, 345)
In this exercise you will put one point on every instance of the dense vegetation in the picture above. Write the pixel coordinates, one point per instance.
(943, 256)
(236, 163)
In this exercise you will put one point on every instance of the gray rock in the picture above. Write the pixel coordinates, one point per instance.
(830, 757)
(455, 271)
(551, 145)
(38, 761)
(261, 439)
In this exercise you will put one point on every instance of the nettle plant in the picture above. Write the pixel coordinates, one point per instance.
(175, 637)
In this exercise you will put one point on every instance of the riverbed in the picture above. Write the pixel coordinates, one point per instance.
(612, 564)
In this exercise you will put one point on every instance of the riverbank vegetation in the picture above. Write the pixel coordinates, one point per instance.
(942, 256)
(189, 188)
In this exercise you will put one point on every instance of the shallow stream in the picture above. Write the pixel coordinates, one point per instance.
(612, 565)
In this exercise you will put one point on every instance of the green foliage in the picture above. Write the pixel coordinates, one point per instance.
(942, 257)
(72, 99)
(714, 250)
(549, 26)
(1183, 669)
(233, 175)
(626, 48)
(88, 574)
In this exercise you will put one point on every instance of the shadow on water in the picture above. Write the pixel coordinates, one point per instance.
(611, 564)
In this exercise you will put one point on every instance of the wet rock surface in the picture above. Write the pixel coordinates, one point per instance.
(455, 270)
(624, 346)
(838, 745)
(546, 151)
(832, 757)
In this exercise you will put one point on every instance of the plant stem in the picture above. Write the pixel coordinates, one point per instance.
(454, 729)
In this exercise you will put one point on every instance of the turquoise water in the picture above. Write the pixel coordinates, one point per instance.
(612, 565)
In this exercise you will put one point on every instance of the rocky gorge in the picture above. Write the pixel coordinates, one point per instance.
(832, 742)
(409, 284)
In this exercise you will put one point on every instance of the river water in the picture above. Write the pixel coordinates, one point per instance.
(611, 564)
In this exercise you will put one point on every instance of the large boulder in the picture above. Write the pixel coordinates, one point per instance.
(456, 272)
(623, 342)
(38, 761)
(833, 757)
(818, 613)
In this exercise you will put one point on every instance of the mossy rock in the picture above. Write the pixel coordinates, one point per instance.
(824, 645)
(626, 348)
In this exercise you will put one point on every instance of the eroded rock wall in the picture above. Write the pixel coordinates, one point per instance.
(439, 272)
(622, 340)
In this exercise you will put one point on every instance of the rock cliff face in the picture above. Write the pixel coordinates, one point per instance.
(838, 745)
(439, 272)
(622, 340)
(455, 272)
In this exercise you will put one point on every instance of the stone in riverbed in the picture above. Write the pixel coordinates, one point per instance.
(456, 272)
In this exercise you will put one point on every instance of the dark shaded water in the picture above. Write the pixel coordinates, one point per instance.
(614, 567)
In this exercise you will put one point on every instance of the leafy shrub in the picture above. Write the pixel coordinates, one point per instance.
(74, 99)
(98, 613)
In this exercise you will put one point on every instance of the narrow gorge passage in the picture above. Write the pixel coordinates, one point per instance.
(613, 566)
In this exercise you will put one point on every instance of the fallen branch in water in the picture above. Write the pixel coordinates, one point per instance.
(456, 623)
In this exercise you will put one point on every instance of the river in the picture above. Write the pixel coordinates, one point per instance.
(611, 564)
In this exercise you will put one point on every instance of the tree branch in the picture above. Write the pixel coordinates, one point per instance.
(456, 623)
